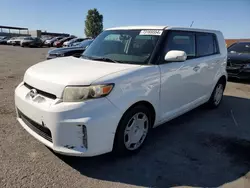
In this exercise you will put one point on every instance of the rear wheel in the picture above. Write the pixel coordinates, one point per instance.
(217, 95)
(132, 131)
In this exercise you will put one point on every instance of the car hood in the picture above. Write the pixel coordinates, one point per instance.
(54, 75)
(63, 50)
(239, 57)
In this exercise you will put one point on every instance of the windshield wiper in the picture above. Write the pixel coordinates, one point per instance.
(105, 59)
(85, 57)
(101, 59)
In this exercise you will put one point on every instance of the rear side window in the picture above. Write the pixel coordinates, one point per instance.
(206, 45)
(184, 41)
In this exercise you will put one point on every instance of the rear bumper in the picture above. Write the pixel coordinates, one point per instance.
(57, 45)
(61, 124)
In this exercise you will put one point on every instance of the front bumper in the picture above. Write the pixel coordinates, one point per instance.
(47, 44)
(240, 73)
(26, 44)
(64, 123)
(51, 56)
(16, 43)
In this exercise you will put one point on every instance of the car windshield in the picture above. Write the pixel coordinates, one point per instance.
(73, 40)
(85, 43)
(123, 46)
(239, 48)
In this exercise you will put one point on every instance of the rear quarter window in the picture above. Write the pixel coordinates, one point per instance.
(206, 45)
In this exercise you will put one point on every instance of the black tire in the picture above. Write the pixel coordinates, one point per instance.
(119, 148)
(212, 103)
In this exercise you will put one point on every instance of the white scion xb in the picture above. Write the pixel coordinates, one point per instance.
(129, 80)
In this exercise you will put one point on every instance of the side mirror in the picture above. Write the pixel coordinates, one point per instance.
(175, 56)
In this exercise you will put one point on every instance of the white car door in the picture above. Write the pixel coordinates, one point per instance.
(210, 61)
(179, 80)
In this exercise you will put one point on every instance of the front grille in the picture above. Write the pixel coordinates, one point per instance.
(236, 64)
(233, 71)
(39, 129)
(43, 93)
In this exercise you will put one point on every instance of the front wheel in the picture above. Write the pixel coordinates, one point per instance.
(132, 130)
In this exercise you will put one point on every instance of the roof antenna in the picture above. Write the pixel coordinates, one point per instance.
(192, 24)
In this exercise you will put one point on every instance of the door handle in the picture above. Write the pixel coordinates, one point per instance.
(196, 68)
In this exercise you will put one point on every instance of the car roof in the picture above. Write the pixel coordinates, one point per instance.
(136, 27)
(163, 28)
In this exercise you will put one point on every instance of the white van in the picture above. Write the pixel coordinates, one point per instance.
(129, 80)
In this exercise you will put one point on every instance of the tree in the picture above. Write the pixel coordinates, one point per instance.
(93, 23)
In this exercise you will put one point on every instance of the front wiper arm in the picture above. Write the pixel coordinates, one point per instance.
(85, 57)
(106, 59)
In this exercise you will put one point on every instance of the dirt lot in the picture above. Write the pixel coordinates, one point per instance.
(203, 148)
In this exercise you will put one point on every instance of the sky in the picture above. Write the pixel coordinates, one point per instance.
(232, 17)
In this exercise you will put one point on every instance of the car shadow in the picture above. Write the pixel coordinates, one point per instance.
(204, 148)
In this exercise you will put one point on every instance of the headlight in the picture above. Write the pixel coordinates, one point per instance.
(78, 94)
(247, 66)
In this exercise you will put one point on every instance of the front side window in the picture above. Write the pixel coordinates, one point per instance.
(124, 46)
(239, 48)
(183, 41)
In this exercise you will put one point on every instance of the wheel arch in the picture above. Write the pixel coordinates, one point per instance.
(145, 103)
(223, 79)
(149, 106)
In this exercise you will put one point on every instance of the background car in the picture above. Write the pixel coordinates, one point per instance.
(31, 42)
(69, 51)
(4, 39)
(51, 41)
(11, 40)
(70, 42)
(44, 38)
(59, 43)
(238, 62)
(17, 41)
